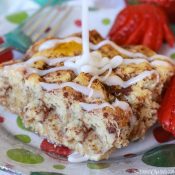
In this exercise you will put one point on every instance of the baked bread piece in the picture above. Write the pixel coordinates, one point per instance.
(57, 103)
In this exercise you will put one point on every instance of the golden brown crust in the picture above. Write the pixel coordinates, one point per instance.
(58, 114)
(135, 95)
(141, 49)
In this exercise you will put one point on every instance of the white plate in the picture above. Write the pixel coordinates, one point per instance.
(13, 150)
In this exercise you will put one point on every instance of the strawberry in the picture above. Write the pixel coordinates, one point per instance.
(167, 5)
(7, 55)
(166, 112)
(51, 148)
(144, 24)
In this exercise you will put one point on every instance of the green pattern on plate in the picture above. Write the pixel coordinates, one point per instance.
(17, 18)
(162, 156)
(45, 173)
(93, 9)
(20, 123)
(23, 138)
(172, 55)
(24, 156)
(59, 167)
(98, 165)
(106, 21)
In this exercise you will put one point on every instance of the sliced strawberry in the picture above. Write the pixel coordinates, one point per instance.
(122, 18)
(166, 114)
(124, 32)
(51, 148)
(135, 38)
(132, 30)
(168, 35)
(172, 121)
(159, 40)
(167, 5)
(150, 34)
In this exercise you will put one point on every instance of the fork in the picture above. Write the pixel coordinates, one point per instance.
(35, 27)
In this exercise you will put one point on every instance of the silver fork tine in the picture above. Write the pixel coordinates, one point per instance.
(34, 28)
(30, 21)
(42, 16)
(58, 22)
(47, 23)
(33, 18)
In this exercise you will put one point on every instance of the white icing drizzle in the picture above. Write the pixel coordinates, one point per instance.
(91, 107)
(85, 32)
(121, 104)
(44, 72)
(54, 61)
(103, 78)
(115, 80)
(95, 69)
(139, 77)
(135, 61)
(77, 157)
(51, 61)
(83, 89)
(96, 65)
(118, 48)
(35, 59)
(15, 66)
(161, 57)
(160, 63)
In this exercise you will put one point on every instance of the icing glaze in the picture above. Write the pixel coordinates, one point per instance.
(83, 89)
(91, 107)
(77, 157)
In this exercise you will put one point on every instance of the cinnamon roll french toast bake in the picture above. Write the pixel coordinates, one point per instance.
(92, 108)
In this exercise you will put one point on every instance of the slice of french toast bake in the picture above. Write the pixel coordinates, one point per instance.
(70, 105)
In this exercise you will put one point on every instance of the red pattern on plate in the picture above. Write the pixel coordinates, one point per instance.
(51, 148)
(129, 155)
(6, 56)
(132, 170)
(9, 166)
(1, 119)
(47, 30)
(78, 22)
(161, 135)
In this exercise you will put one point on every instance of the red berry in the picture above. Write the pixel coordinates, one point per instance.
(51, 148)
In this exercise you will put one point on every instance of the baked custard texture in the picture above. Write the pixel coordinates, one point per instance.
(92, 116)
